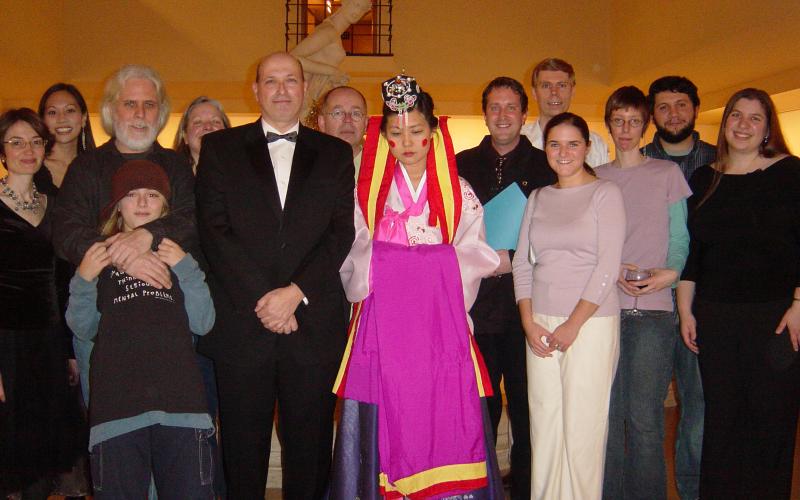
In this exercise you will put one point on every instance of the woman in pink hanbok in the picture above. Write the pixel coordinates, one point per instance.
(413, 421)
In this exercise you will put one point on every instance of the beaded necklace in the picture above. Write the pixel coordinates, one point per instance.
(32, 206)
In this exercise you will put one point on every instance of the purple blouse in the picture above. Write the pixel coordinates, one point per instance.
(570, 248)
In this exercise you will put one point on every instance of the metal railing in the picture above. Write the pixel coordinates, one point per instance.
(370, 36)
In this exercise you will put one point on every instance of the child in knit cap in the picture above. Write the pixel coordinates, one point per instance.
(147, 409)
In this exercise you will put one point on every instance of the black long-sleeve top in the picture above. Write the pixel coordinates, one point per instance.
(43, 179)
(527, 166)
(86, 190)
(745, 238)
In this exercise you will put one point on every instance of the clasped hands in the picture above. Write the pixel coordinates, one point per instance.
(130, 252)
(542, 342)
(276, 309)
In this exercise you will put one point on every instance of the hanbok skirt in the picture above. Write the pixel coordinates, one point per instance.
(356, 462)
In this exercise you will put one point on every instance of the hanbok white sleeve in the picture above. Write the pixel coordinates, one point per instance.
(356, 268)
(476, 258)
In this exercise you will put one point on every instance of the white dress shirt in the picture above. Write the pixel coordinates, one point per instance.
(598, 151)
(281, 153)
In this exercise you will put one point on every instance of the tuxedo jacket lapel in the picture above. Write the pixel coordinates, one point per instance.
(256, 145)
(305, 155)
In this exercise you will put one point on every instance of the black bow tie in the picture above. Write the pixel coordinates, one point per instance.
(272, 137)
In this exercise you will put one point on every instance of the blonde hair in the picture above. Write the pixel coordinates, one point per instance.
(114, 224)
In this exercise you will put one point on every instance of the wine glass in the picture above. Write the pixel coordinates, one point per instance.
(637, 275)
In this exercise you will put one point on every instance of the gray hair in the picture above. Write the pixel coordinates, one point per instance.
(115, 84)
(180, 144)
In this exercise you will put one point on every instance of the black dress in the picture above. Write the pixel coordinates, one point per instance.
(39, 420)
(745, 260)
(43, 179)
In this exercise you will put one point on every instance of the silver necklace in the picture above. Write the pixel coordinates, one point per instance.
(32, 206)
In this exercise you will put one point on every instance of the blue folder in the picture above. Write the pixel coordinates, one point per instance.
(503, 216)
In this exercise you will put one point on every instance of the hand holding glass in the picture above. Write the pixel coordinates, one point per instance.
(637, 275)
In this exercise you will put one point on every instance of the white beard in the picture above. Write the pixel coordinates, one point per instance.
(121, 134)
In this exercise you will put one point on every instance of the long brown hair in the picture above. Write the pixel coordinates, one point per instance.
(772, 145)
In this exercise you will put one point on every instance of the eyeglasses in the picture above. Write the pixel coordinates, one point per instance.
(338, 114)
(632, 122)
(20, 144)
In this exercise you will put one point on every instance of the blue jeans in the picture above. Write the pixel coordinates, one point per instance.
(210, 384)
(689, 438)
(179, 459)
(635, 465)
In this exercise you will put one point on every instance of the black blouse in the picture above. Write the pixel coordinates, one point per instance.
(745, 239)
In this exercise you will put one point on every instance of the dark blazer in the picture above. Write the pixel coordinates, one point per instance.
(527, 166)
(252, 246)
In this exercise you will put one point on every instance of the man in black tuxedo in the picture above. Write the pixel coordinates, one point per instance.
(275, 217)
(501, 159)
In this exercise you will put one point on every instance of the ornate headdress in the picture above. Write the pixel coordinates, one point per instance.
(377, 164)
(400, 93)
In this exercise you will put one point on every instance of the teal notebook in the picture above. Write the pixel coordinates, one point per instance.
(503, 216)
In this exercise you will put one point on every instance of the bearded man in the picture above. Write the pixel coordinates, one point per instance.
(134, 110)
(674, 105)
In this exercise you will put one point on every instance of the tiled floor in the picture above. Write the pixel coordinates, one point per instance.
(670, 424)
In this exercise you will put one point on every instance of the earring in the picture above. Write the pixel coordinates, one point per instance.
(83, 138)
(766, 139)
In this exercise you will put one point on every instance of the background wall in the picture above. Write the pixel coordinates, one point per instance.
(453, 47)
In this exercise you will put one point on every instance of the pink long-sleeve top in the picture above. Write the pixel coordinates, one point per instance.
(570, 248)
(476, 259)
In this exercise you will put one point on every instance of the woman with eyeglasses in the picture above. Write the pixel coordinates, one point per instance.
(39, 421)
(739, 302)
(202, 116)
(656, 245)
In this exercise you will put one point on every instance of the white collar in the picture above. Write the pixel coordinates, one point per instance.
(414, 192)
(266, 127)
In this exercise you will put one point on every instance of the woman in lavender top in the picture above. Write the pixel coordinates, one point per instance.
(654, 192)
(565, 268)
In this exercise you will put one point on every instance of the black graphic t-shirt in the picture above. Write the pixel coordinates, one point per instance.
(143, 358)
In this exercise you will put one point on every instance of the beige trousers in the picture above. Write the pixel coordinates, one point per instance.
(568, 396)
